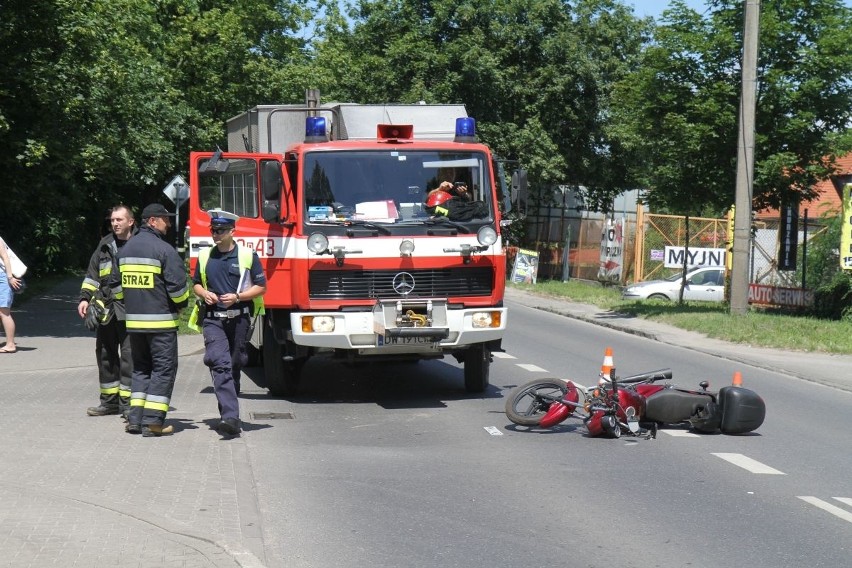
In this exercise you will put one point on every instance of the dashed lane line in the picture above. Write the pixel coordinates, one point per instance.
(531, 368)
(828, 507)
(749, 464)
(502, 355)
(679, 433)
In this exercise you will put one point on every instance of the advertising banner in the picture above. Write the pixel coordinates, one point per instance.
(694, 257)
(846, 229)
(525, 269)
(612, 251)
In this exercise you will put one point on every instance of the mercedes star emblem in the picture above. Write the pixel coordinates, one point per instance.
(403, 283)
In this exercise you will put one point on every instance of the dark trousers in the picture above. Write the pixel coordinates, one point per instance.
(115, 364)
(155, 361)
(225, 354)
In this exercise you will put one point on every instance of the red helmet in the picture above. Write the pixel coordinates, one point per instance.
(437, 197)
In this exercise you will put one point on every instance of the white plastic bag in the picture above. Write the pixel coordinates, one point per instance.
(18, 267)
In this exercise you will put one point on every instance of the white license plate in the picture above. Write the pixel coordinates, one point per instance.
(385, 340)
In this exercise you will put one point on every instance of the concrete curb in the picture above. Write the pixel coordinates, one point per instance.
(825, 369)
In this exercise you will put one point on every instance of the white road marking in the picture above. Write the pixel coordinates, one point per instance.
(679, 433)
(502, 355)
(828, 507)
(845, 500)
(493, 430)
(531, 368)
(749, 464)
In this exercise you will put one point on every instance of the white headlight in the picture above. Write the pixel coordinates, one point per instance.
(317, 243)
(406, 247)
(322, 324)
(481, 319)
(487, 236)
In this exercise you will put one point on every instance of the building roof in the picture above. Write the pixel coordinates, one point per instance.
(829, 194)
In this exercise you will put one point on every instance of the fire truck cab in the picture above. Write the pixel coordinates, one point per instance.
(361, 265)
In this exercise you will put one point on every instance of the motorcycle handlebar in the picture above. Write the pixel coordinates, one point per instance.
(652, 376)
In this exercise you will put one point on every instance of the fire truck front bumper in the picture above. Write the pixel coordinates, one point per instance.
(399, 327)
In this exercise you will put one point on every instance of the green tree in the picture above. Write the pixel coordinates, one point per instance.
(102, 100)
(677, 113)
(537, 74)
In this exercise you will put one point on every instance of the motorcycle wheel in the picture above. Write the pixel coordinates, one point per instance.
(611, 427)
(528, 403)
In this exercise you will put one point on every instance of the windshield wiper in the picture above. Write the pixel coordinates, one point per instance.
(444, 221)
(367, 225)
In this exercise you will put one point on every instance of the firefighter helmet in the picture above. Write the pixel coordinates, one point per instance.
(437, 197)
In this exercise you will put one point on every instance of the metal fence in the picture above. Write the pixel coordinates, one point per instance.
(645, 237)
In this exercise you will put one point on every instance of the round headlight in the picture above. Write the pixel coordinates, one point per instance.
(406, 247)
(323, 324)
(487, 236)
(481, 319)
(317, 243)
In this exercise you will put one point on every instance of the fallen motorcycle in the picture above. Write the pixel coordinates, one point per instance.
(635, 405)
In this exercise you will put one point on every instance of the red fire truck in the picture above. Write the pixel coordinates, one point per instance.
(333, 199)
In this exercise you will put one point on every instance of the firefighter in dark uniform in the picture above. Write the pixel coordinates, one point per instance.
(154, 288)
(105, 316)
(230, 283)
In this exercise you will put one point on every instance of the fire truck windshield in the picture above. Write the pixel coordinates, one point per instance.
(392, 186)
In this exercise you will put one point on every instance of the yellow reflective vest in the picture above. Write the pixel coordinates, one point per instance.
(244, 258)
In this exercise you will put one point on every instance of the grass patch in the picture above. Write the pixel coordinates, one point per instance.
(758, 328)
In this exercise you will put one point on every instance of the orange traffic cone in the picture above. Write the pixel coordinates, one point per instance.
(738, 379)
(607, 366)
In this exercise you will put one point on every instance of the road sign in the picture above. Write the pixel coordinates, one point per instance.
(177, 190)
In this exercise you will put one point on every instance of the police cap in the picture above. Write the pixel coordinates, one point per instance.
(220, 218)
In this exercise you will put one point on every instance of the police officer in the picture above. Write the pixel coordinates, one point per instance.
(229, 282)
(153, 285)
(112, 345)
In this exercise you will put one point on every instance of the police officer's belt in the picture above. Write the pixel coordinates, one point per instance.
(228, 313)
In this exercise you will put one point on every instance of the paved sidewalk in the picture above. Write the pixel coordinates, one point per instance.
(826, 369)
(79, 491)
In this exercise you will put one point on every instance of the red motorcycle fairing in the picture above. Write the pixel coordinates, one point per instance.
(627, 398)
(558, 412)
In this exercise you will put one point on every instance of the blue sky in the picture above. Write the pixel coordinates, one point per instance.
(654, 8)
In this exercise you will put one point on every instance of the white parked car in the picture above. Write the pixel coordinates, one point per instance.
(703, 283)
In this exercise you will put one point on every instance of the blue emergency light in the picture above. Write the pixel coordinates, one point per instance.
(315, 129)
(465, 129)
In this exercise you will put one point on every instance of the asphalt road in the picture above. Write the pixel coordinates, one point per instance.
(397, 466)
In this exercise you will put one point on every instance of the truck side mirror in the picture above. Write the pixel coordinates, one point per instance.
(271, 182)
(519, 189)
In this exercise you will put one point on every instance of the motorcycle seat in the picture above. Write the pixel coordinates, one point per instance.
(672, 406)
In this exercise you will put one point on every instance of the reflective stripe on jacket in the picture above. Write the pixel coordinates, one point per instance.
(153, 283)
(102, 270)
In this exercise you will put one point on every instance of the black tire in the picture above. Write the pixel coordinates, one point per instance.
(282, 377)
(611, 427)
(528, 403)
(659, 297)
(477, 364)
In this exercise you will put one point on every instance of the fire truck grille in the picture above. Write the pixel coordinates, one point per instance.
(382, 284)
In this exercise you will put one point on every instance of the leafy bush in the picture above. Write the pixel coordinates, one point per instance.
(834, 300)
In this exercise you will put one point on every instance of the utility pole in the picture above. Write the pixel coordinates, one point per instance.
(745, 161)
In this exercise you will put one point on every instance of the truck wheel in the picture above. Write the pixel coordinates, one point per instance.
(477, 362)
(282, 377)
